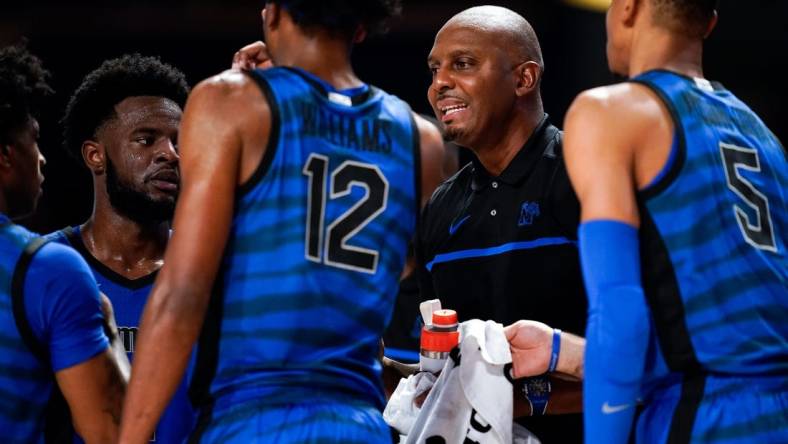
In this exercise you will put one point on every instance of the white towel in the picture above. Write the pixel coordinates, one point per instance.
(470, 400)
(401, 411)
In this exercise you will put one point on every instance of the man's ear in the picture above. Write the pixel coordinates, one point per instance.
(630, 11)
(94, 155)
(528, 75)
(271, 14)
(712, 24)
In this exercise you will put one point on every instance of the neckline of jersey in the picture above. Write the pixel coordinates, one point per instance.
(350, 92)
(75, 239)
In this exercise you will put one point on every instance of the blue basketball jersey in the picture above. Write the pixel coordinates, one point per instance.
(715, 273)
(713, 237)
(50, 320)
(25, 382)
(128, 297)
(318, 241)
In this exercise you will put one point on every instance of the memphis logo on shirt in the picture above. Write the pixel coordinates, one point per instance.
(129, 337)
(528, 212)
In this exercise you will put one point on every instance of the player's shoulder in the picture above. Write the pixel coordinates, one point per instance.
(231, 99)
(229, 84)
(58, 258)
(58, 237)
(57, 254)
(614, 101)
(625, 111)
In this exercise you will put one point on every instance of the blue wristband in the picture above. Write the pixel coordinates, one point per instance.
(556, 350)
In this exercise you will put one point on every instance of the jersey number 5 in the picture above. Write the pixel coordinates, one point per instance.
(349, 174)
(759, 234)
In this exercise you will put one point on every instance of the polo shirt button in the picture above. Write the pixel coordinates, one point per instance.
(495, 184)
(493, 213)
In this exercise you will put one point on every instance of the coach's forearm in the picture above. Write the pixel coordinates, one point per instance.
(570, 360)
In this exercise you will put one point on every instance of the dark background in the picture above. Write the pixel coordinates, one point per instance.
(748, 53)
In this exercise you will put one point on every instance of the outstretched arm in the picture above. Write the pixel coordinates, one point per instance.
(599, 148)
(214, 131)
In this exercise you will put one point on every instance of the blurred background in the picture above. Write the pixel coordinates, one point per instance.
(748, 53)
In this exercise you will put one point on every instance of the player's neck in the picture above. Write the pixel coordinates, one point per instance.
(496, 151)
(656, 48)
(328, 59)
(128, 247)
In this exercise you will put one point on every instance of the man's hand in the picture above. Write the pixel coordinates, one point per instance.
(251, 56)
(531, 343)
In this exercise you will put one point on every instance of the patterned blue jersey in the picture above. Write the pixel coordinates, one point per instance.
(50, 320)
(713, 236)
(128, 297)
(318, 241)
(715, 273)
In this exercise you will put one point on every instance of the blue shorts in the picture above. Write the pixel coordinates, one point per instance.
(715, 409)
(321, 421)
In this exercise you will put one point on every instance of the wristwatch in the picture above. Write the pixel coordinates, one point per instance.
(537, 392)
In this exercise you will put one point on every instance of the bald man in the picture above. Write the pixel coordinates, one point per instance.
(498, 240)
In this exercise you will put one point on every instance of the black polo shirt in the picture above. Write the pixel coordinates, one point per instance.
(505, 248)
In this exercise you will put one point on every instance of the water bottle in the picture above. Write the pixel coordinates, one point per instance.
(438, 338)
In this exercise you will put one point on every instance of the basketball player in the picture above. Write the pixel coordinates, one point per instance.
(122, 122)
(51, 323)
(683, 194)
(300, 192)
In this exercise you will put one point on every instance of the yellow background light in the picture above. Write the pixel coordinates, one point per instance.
(593, 5)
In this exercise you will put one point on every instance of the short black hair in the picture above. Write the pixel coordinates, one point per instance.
(23, 86)
(688, 16)
(342, 17)
(132, 75)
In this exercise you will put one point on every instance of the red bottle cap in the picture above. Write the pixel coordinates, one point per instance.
(444, 318)
(442, 336)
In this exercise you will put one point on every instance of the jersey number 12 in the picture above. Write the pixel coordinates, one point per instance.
(335, 250)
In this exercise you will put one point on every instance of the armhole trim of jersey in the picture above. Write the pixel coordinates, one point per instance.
(273, 136)
(676, 159)
(18, 300)
(416, 166)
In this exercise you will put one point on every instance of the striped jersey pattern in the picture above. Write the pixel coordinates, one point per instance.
(717, 221)
(318, 241)
(25, 383)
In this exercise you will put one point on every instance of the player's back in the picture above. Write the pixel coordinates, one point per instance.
(25, 382)
(715, 273)
(713, 235)
(317, 243)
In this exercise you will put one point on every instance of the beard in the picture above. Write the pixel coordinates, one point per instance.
(134, 204)
(451, 134)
